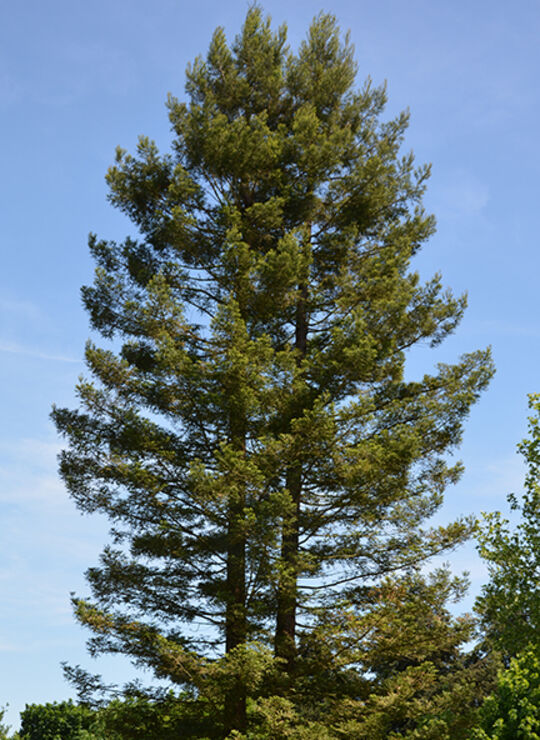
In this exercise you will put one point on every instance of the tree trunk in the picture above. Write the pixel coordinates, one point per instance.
(235, 618)
(287, 598)
(285, 638)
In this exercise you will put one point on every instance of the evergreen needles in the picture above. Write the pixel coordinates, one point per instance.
(267, 469)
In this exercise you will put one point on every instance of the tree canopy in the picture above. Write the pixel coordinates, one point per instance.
(268, 469)
(510, 602)
(513, 710)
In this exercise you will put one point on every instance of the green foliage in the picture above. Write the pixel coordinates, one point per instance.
(510, 602)
(169, 718)
(267, 469)
(58, 721)
(512, 712)
(395, 669)
(4, 729)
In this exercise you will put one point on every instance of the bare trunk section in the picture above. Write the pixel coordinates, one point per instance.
(235, 617)
(285, 638)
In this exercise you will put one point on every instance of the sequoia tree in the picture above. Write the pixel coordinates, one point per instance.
(249, 431)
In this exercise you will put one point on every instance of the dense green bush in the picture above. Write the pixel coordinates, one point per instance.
(134, 718)
(58, 721)
(170, 718)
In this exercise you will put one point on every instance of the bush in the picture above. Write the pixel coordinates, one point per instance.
(58, 721)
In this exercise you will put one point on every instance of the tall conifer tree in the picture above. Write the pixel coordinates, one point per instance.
(253, 440)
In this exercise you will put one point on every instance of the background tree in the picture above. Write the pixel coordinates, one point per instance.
(58, 721)
(135, 718)
(510, 602)
(513, 710)
(251, 435)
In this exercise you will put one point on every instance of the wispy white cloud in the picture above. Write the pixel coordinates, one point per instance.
(38, 354)
(11, 647)
(45, 489)
(460, 194)
(21, 308)
(28, 472)
(40, 451)
(28, 592)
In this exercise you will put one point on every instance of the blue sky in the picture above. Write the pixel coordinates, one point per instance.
(79, 78)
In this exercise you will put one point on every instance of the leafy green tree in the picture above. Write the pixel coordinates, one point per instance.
(138, 718)
(510, 602)
(250, 433)
(512, 712)
(58, 721)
